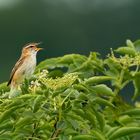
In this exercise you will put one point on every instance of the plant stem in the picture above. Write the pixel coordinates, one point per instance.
(56, 131)
(66, 97)
(118, 88)
(60, 112)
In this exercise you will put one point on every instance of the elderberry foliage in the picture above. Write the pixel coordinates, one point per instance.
(77, 97)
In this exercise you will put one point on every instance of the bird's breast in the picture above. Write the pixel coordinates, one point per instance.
(29, 66)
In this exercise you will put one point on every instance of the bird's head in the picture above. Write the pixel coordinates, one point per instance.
(31, 49)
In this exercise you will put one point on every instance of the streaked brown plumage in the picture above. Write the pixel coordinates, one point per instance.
(25, 66)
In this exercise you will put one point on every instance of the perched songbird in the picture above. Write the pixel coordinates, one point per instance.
(25, 66)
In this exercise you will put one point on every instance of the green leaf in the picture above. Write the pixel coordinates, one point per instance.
(37, 103)
(23, 122)
(6, 136)
(102, 101)
(6, 126)
(83, 137)
(137, 45)
(27, 97)
(132, 112)
(70, 131)
(49, 64)
(14, 103)
(82, 97)
(100, 118)
(80, 87)
(124, 131)
(98, 135)
(74, 116)
(64, 61)
(125, 120)
(79, 112)
(97, 79)
(4, 87)
(55, 73)
(112, 130)
(126, 50)
(103, 90)
(91, 117)
(7, 113)
(130, 43)
(136, 83)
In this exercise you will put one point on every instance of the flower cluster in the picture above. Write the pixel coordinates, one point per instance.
(54, 84)
(126, 60)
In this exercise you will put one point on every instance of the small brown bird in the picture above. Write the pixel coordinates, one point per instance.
(25, 66)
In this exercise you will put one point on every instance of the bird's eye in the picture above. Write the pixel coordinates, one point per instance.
(31, 46)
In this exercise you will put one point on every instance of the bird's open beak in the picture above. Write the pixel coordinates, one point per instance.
(38, 49)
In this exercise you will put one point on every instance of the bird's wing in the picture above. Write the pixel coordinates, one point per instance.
(17, 65)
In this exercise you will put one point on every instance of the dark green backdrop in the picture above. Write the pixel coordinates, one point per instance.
(65, 26)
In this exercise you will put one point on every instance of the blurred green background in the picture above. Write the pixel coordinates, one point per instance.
(65, 26)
